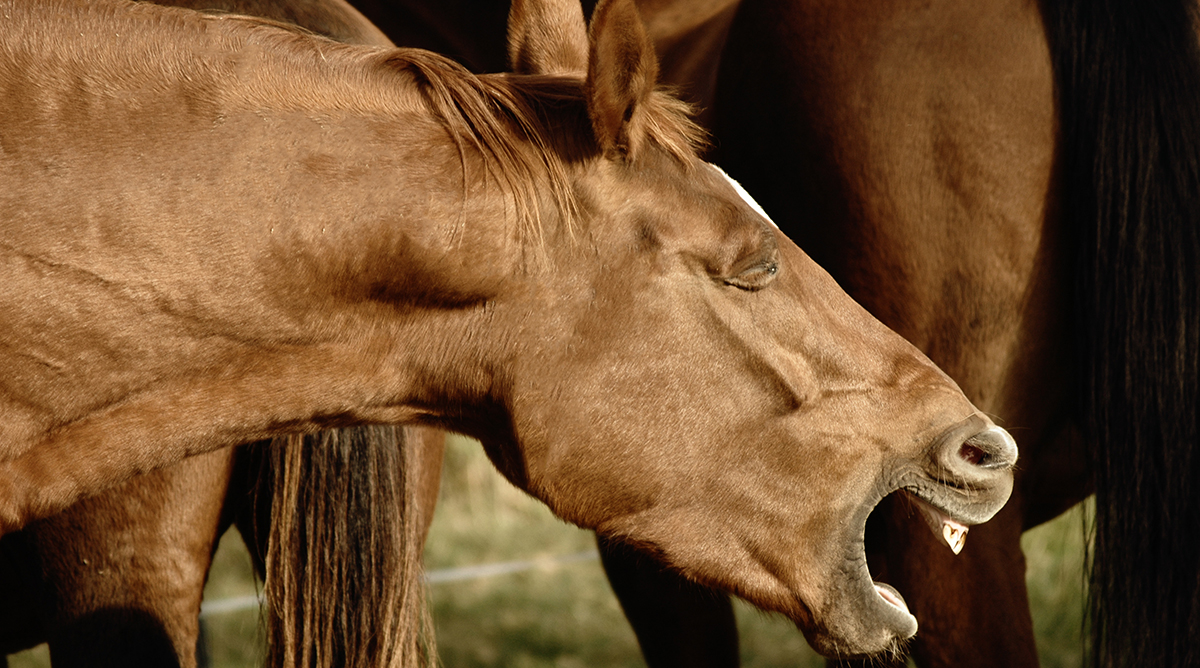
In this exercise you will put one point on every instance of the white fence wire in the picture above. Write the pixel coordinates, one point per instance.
(438, 576)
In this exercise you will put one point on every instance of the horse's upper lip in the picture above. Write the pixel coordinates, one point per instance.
(945, 526)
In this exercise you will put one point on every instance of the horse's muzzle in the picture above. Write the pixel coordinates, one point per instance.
(968, 478)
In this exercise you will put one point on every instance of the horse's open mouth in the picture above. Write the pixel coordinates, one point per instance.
(864, 617)
(965, 478)
(947, 530)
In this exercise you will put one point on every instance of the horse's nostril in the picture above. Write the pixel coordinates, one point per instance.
(975, 452)
(973, 455)
(991, 448)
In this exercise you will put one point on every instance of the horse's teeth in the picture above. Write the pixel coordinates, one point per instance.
(955, 535)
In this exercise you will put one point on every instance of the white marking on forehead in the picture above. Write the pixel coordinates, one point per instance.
(745, 195)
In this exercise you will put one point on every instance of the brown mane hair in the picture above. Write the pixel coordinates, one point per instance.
(504, 119)
(501, 118)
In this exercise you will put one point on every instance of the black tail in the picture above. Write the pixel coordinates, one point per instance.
(1128, 87)
(342, 554)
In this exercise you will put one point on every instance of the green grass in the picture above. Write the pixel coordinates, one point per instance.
(1054, 578)
(232, 639)
(564, 616)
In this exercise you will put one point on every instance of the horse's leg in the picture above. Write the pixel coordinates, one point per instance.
(1056, 481)
(122, 574)
(22, 622)
(677, 622)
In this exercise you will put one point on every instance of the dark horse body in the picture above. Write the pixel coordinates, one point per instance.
(920, 154)
(302, 301)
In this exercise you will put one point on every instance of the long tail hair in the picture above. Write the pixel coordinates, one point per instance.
(1128, 93)
(342, 554)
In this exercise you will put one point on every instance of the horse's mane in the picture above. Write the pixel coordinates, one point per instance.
(529, 128)
(525, 128)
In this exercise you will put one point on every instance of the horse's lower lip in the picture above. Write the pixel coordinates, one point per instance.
(888, 593)
(889, 607)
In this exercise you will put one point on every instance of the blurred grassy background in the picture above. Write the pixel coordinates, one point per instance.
(565, 616)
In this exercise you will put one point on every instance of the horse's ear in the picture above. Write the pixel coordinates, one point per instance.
(622, 73)
(547, 37)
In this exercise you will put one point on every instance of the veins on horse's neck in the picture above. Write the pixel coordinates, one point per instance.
(398, 221)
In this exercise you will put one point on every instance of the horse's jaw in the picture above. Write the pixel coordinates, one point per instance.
(813, 567)
(836, 604)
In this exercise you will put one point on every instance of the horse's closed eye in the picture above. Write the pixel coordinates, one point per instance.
(756, 277)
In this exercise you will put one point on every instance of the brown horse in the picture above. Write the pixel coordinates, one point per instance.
(354, 235)
(130, 591)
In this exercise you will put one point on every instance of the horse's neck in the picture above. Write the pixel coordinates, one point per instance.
(250, 168)
(189, 234)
